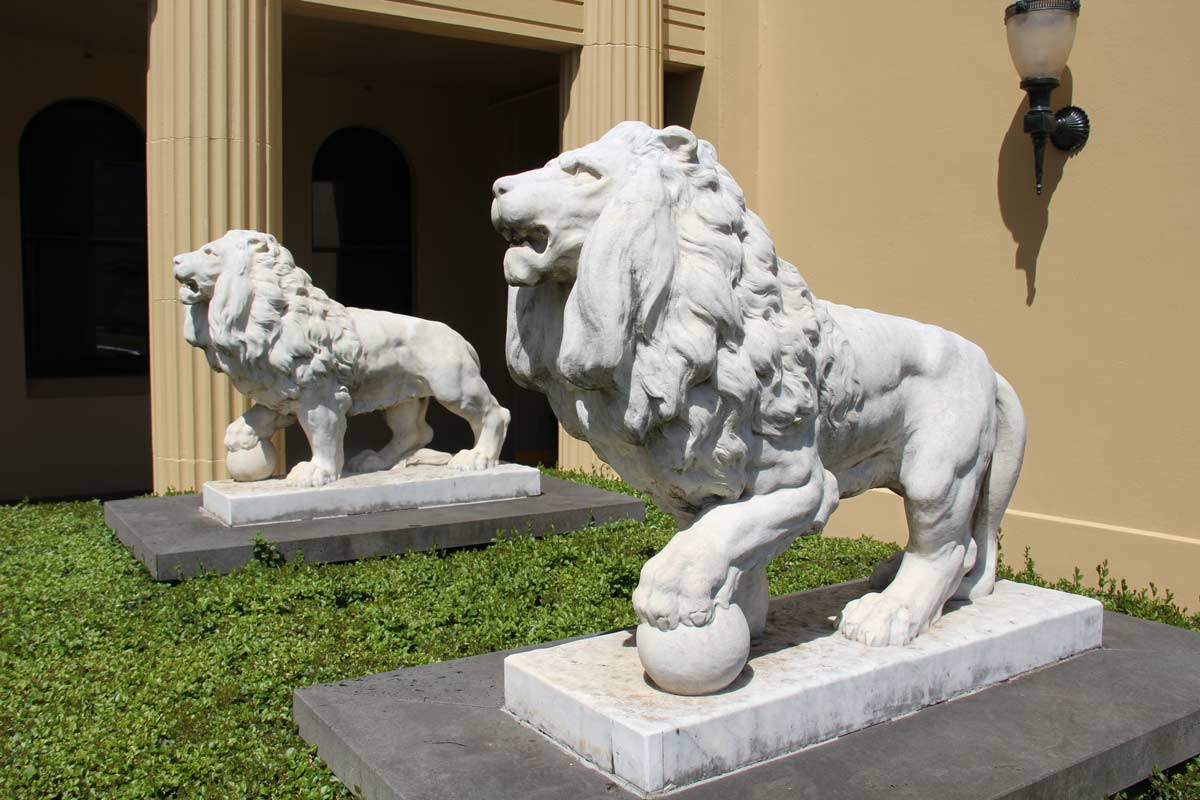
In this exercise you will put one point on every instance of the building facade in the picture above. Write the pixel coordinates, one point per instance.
(880, 142)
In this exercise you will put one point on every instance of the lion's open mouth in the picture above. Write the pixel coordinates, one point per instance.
(528, 252)
(189, 291)
(535, 237)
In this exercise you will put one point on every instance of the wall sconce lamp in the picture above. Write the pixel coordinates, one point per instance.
(1040, 35)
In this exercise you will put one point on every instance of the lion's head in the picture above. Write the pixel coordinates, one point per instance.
(647, 300)
(260, 320)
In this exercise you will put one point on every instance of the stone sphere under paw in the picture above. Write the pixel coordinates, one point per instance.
(254, 464)
(696, 660)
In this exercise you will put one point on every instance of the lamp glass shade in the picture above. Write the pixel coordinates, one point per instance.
(1040, 41)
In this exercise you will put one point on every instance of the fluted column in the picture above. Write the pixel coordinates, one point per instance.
(213, 122)
(616, 75)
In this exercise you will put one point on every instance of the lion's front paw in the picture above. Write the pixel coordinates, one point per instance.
(679, 586)
(878, 620)
(240, 436)
(308, 473)
(367, 461)
(471, 461)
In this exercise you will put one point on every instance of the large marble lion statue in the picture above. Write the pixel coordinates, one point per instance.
(648, 303)
(299, 355)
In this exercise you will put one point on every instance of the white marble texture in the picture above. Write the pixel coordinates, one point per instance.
(238, 503)
(303, 357)
(804, 685)
(649, 305)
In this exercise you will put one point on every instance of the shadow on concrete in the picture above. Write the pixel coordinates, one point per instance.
(1025, 213)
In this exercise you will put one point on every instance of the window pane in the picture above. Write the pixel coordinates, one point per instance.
(326, 230)
(83, 244)
(362, 217)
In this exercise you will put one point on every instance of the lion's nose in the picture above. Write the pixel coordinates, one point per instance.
(501, 186)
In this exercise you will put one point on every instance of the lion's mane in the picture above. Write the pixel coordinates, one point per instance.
(683, 317)
(273, 332)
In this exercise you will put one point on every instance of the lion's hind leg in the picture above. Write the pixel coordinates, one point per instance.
(489, 427)
(995, 493)
(940, 502)
(488, 420)
(410, 432)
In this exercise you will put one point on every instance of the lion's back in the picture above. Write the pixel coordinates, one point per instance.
(398, 345)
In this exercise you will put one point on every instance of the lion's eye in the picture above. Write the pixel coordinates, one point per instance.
(582, 172)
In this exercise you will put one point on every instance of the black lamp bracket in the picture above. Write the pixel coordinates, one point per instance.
(1025, 6)
(1067, 129)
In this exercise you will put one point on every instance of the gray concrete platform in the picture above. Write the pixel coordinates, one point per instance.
(176, 539)
(1086, 727)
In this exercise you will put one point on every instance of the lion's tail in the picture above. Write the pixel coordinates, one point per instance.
(997, 490)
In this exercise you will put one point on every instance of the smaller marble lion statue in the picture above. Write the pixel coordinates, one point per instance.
(301, 356)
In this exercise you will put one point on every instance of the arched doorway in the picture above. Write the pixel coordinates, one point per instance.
(362, 219)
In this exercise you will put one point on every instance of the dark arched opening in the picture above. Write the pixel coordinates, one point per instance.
(83, 242)
(362, 219)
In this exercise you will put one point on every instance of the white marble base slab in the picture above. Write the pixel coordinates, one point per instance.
(235, 503)
(805, 683)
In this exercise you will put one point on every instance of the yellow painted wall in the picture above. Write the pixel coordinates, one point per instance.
(87, 436)
(882, 144)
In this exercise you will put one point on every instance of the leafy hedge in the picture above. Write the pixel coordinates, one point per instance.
(114, 686)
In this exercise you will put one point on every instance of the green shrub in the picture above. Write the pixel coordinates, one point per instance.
(1115, 595)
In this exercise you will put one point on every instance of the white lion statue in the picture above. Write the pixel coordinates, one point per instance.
(301, 356)
(648, 303)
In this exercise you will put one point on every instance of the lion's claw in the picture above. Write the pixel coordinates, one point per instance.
(240, 436)
(306, 473)
(878, 620)
(680, 586)
(471, 461)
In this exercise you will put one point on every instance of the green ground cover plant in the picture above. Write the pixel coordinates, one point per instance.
(114, 686)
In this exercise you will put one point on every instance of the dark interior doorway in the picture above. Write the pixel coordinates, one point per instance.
(83, 242)
(362, 218)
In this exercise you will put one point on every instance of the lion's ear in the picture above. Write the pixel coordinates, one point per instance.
(253, 242)
(285, 258)
(680, 142)
(256, 242)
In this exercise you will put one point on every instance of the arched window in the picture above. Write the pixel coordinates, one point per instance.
(362, 219)
(83, 242)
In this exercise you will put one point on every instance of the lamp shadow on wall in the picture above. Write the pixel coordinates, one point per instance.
(1025, 213)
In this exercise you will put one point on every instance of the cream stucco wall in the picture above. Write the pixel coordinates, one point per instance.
(882, 144)
(88, 436)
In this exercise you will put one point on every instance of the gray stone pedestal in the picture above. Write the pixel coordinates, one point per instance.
(1088, 726)
(175, 538)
